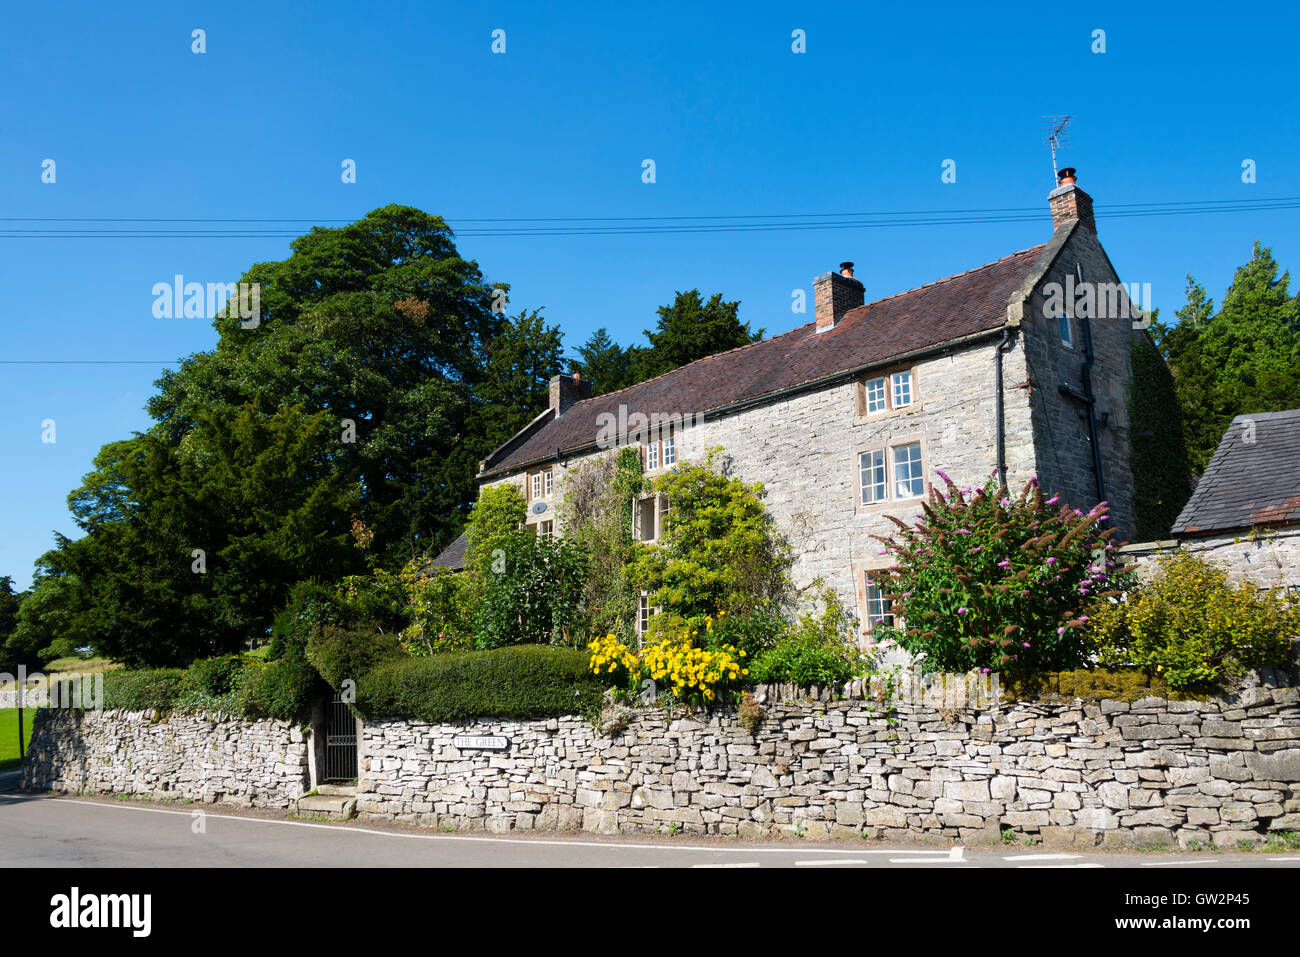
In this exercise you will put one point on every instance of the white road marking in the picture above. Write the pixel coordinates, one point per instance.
(1040, 857)
(1284, 858)
(737, 864)
(831, 863)
(954, 857)
(1207, 860)
(1042, 867)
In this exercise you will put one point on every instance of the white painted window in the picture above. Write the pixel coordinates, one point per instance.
(909, 479)
(537, 485)
(550, 481)
(876, 401)
(545, 529)
(652, 456)
(1067, 330)
(902, 388)
(649, 517)
(878, 607)
(871, 469)
(670, 451)
(644, 612)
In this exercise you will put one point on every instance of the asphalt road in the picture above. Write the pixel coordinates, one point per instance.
(49, 831)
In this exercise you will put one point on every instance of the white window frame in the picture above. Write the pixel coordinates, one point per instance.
(874, 620)
(660, 506)
(1065, 327)
(644, 612)
(652, 456)
(535, 485)
(546, 529)
(901, 393)
(670, 451)
(870, 402)
(550, 482)
(919, 475)
(877, 465)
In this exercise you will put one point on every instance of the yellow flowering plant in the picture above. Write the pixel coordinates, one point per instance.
(678, 667)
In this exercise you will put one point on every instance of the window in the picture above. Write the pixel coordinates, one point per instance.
(878, 607)
(871, 466)
(550, 481)
(902, 388)
(909, 480)
(537, 485)
(1067, 330)
(644, 612)
(649, 515)
(545, 529)
(876, 395)
(670, 451)
(652, 456)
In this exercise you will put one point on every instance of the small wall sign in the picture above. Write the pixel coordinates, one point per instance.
(481, 742)
(539, 508)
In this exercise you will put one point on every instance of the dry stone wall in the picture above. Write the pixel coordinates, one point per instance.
(206, 758)
(1084, 773)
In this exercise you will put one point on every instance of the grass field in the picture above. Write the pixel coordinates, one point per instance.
(9, 735)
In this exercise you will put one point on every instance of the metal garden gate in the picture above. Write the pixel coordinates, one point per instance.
(340, 741)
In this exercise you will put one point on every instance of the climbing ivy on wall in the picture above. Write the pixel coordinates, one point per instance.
(1158, 456)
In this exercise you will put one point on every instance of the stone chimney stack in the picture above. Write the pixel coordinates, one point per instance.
(1068, 202)
(834, 294)
(566, 390)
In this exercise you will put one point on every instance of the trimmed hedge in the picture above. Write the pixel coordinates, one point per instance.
(339, 654)
(521, 681)
(237, 685)
(1091, 684)
(150, 689)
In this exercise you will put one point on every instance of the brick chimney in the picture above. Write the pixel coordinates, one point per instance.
(566, 390)
(1068, 202)
(834, 294)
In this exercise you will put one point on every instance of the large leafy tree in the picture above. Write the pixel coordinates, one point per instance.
(1241, 359)
(380, 324)
(691, 329)
(521, 360)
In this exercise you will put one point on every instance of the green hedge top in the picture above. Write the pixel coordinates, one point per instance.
(238, 685)
(1094, 684)
(521, 681)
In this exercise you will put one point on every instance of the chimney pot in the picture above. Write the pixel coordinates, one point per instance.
(846, 270)
(1066, 177)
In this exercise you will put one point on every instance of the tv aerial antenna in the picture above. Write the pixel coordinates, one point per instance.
(1056, 136)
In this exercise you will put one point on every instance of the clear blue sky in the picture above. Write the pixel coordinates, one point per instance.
(258, 126)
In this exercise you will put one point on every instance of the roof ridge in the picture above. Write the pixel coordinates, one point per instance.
(788, 332)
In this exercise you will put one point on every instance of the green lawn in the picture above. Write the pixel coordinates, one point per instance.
(9, 735)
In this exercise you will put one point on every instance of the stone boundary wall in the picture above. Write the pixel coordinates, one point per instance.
(1270, 559)
(1081, 773)
(206, 758)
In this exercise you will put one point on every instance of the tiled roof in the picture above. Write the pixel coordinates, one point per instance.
(453, 556)
(942, 311)
(1253, 478)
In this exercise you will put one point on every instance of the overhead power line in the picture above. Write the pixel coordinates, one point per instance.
(176, 228)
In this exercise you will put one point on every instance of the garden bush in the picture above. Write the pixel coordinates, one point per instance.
(984, 581)
(819, 649)
(145, 689)
(532, 595)
(521, 681)
(309, 605)
(1194, 630)
(340, 654)
(218, 676)
(284, 689)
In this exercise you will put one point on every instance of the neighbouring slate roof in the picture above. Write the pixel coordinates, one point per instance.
(453, 556)
(1253, 478)
(942, 311)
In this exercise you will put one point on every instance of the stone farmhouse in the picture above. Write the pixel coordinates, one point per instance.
(1022, 365)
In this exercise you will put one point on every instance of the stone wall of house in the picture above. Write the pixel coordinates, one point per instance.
(1269, 559)
(1084, 773)
(1065, 460)
(805, 450)
(205, 758)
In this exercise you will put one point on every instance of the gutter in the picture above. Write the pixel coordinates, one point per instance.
(814, 385)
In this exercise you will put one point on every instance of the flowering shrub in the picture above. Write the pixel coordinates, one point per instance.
(984, 581)
(1194, 630)
(684, 670)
